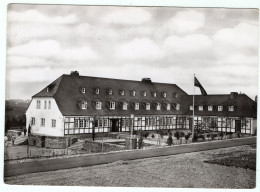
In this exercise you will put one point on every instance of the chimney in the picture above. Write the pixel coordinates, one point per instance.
(233, 95)
(146, 80)
(74, 73)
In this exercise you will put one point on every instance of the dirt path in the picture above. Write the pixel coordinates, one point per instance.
(184, 170)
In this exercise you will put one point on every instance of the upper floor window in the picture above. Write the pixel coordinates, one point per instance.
(122, 92)
(98, 105)
(220, 108)
(47, 89)
(112, 105)
(38, 105)
(110, 92)
(53, 123)
(178, 106)
(154, 94)
(42, 122)
(45, 104)
(83, 90)
(158, 106)
(84, 105)
(124, 105)
(200, 107)
(168, 106)
(49, 104)
(136, 106)
(33, 121)
(133, 93)
(97, 91)
(164, 94)
(148, 106)
(144, 93)
(191, 107)
(210, 108)
(230, 108)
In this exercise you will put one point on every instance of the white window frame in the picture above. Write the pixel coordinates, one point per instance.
(144, 93)
(200, 107)
(83, 90)
(220, 108)
(191, 107)
(231, 108)
(178, 106)
(124, 107)
(164, 94)
(168, 106)
(158, 106)
(148, 106)
(122, 92)
(38, 104)
(97, 91)
(133, 93)
(42, 122)
(112, 105)
(210, 108)
(53, 123)
(154, 94)
(137, 106)
(98, 105)
(84, 105)
(33, 121)
(110, 92)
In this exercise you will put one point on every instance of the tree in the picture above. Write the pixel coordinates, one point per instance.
(187, 137)
(177, 135)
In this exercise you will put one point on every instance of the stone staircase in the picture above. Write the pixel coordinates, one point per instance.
(21, 140)
(76, 146)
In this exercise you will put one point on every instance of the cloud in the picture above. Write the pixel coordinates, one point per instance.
(140, 48)
(128, 16)
(186, 21)
(35, 16)
(187, 44)
(51, 49)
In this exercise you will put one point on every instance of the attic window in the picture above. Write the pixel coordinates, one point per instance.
(178, 106)
(200, 107)
(220, 108)
(98, 105)
(158, 106)
(110, 92)
(168, 106)
(124, 105)
(230, 108)
(47, 89)
(136, 106)
(112, 105)
(176, 95)
(164, 94)
(84, 105)
(133, 93)
(154, 94)
(148, 106)
(210, 108)
(122, 92)
(97, 91)
(83, 90)
(144, 93)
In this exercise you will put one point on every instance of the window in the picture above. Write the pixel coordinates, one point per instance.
(122, 92)
(230, 108)
(178, 106)
(83, 90)
(139, 121)
(154, 94)
(98, 105)
(124, 105)
(47, 89)
(97, 91)
(49, 104)
(112, 105)
(168, 106)
(220, 108)
(100, 122)
(42, 122)
(158, 106)
(53, 123)
(200, 107)
(105, 123)
(136, 106)
(148, 106)
(133, 93)
(144, 93)
(147, 122)
(84, 105)
(210, 108)
(76, 123)
(38, 106)
(33, 121)
(110, 92)
(164, 94)
(191, 107)
(176, 95)
(45, 104)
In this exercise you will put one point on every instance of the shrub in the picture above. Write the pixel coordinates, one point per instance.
(170, 133)
(221, 134)
(169, 140)
(140, 142)
(144, 134)
(208, 136)
(177, 135)
(195, 138)
(153, 136)
(187, 137)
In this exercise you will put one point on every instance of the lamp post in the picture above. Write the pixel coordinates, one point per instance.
(131, 130)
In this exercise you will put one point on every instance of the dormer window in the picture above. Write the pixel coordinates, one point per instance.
(176, 95)
(83, 90)
(230, 108)
(122, 92)
(136, 106)
(97, 91)
(124, 105)
(168, 106)
(158, 106)
(210, 108)
(98, 105)
(154, 94)
(47, 89)
(200, 107)
(84, 105)
(133, 93)
(178, 106)
(112, 105)
(147, 106)
(191, 107)
(164, 94)
(110, 92)
(144, 93)
(220, 108)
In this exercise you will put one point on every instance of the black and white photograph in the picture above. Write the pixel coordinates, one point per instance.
(131, 96)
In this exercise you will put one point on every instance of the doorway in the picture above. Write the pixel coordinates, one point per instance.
(114, 125)
(238, 126)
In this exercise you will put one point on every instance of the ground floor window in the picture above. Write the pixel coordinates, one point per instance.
(53, 123)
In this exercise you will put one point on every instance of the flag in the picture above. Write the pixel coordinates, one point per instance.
(197, 84)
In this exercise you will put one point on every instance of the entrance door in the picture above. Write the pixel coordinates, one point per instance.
(238, 126)
(115, 125)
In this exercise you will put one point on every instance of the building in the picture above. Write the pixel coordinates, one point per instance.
(75, 104)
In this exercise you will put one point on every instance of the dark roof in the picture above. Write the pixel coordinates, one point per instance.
(243, 105)
(66, 92)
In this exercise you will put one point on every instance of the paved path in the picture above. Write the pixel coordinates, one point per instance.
(96, 159)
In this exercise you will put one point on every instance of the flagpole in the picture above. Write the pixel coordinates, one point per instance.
(193, 107)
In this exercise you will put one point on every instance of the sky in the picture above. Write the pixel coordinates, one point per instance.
(166, 44)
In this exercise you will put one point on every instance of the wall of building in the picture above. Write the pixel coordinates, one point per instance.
(49, 114)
